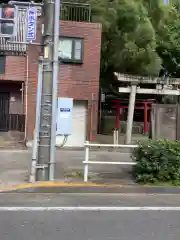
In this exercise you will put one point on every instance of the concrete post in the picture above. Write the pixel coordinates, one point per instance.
(132, 99)
(44, 146)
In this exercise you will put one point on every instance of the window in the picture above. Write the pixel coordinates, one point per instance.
(2, 64)
(71, 50)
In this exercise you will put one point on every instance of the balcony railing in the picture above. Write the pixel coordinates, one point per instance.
(72, 11)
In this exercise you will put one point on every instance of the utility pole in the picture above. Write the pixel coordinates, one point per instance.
(56, 64)
(45, 148)
(43, 158)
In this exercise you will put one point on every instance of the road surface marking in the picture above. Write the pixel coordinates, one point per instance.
(93, 209)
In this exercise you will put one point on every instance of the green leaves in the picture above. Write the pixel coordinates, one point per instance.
(138, 36)
(157, 161)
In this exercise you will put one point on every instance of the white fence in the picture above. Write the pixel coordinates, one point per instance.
(86, 163)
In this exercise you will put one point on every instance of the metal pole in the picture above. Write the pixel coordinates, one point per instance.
(117, 136)
(114, 137)
(36, 132)
(132, 99)
(55, 89)
(86, 162)
(44, 146)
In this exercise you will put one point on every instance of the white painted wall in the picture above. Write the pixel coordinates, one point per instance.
(79, 126)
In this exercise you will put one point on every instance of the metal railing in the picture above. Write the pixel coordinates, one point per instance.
(86, 163)
(12, 122)
(78, 12)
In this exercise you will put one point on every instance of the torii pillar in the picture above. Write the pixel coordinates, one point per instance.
(129, 126)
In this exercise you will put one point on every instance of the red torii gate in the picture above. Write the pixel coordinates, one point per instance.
(146, 106)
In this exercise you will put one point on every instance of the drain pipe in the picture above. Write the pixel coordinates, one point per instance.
(37, 122)
(26, 97)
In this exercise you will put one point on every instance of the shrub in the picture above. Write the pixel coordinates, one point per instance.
(158, 161)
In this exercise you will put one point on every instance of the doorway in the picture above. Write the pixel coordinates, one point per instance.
(4, 111)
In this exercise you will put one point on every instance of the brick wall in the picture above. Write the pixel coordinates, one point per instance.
(15, 69)
(80, 82)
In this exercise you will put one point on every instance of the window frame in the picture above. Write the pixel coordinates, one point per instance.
(3, 61)
(73, 60)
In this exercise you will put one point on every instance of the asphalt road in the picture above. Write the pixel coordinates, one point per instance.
(20, 220)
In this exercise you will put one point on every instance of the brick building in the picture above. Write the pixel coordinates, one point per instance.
(80, 40)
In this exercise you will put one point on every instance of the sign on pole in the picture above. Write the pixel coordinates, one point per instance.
(31, 24)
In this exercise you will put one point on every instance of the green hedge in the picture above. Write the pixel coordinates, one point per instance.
(158, 161)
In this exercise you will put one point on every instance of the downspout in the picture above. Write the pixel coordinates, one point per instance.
(26, 97)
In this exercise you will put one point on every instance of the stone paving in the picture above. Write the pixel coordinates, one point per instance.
(15, 166)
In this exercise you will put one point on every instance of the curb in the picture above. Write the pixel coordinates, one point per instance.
(54, 185)
(64, 187)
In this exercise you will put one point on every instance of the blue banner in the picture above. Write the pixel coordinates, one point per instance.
(31, 24)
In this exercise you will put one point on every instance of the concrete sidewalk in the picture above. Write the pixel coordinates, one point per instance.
(15, 167)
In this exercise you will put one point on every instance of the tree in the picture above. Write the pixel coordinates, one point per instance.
(169, 43)
(128, 38)
(138, 37)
